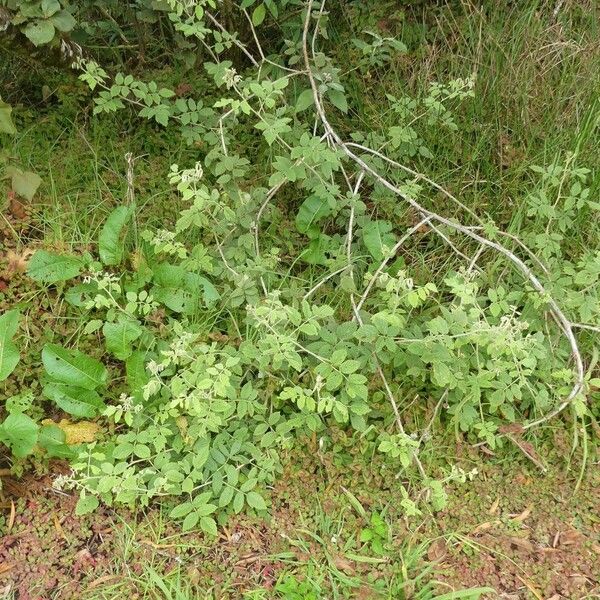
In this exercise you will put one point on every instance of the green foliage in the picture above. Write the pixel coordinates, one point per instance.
(48, 267)
(9, 354)
(20, 433)
(6, 122)
(274, 309)
(41, 20)
(110, 244)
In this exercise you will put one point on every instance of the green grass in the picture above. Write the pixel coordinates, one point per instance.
(536, 100)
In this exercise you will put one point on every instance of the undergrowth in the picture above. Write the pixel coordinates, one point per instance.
(344, 229)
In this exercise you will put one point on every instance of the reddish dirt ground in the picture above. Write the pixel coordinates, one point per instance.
(519, 532)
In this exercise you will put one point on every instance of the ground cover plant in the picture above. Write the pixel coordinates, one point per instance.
(299, 226)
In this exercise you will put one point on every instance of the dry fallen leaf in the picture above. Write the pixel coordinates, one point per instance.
(515, 428)
(76, 433)
(101, 580)
(17, 263)
(11, 519)
(17, 208)
(437, 550)
(521, 543)
(521, 517)
(494, 507)
(531, 588)
(343, 564)
(485, 526)
(568, 538)
(58, 527)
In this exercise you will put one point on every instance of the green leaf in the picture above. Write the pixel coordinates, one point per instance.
(209, 292)
(20, 432)
(313, 209)
(53, 439)
(48, 267)
(49, 7)
(74, 400)
(377, 235)
(123, 451)
(120, 336)
(238, 502)
(110, 244)
(181, 510)
(63, 21)
(190, 521)
(256, 501)
(73, 367)
(142, 451)
(39, 32)
(305, 100)
(179, 289)
(86, 505)
(338, 99)
(24, 183)
(6, 123)
(137, 377)
(314, 253)
(258, 15)
(226, 496)
(209, 525)
(9, 354)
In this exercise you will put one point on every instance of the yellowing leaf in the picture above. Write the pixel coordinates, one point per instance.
(82, 432)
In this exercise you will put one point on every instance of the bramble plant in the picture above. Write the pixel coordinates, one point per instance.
(278, 305)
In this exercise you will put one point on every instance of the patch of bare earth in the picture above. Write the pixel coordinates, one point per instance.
(526, 535)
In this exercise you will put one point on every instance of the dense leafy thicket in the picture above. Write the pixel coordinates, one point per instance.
(280, 305)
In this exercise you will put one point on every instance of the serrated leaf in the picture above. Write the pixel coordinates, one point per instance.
(86, 505)
(74, 400)
(9, 354)
(314, 253)
(20, 432)
(258, 15)
(256, 501)
(73, 367)
(180, 290)
(6, 122)
(120, 336)
(48, 267)
(110, 242)
(39, 32)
